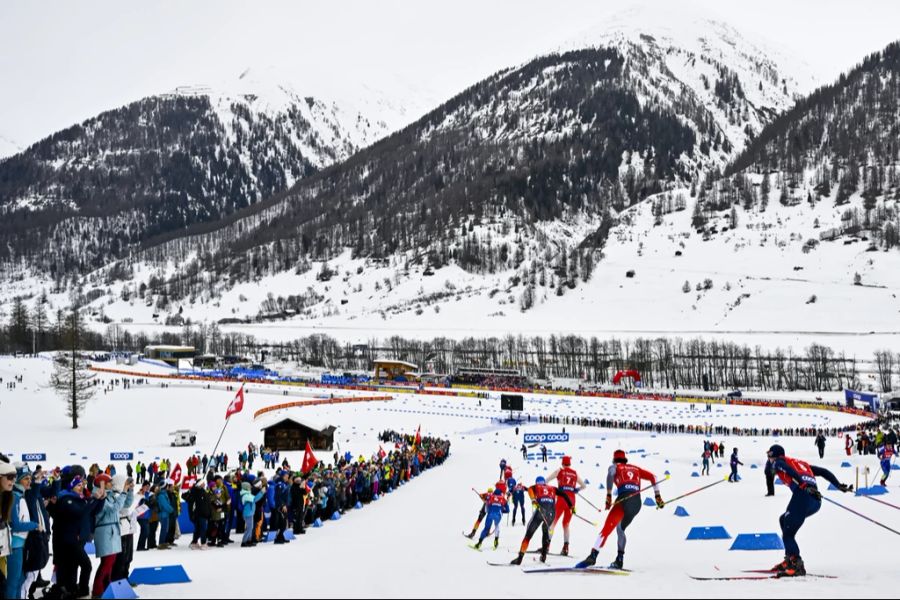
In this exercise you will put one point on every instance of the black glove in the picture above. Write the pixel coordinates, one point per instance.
(845, 488)
(659, 501)
(608, 501)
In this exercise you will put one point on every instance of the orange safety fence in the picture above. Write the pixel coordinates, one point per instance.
(470, 391)
(300, 404)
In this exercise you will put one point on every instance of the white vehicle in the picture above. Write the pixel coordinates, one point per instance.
(183, 437)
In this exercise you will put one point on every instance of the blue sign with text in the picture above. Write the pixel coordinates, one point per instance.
(545, 438)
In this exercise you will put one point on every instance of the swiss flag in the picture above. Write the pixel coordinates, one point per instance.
(189, 482)
(237, 405)
(176, 474)
(309, 459)
(419, 435)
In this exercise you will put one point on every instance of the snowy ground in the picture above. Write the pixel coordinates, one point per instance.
(405, 543)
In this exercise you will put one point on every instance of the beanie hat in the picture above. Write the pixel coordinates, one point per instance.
(6, 469)
(245, 486)
(22, 471)
(619, 456)
(567, 461)
(74, 483)
(118, 483)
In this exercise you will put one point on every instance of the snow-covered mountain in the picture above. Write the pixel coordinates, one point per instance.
(514, 182)
(98, 190)
(742, 83)
(582, 191)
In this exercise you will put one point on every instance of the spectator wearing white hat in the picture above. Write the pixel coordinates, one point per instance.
(20, 523)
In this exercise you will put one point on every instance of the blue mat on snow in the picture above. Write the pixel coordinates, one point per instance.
(715, 532)
(159, 575)
(757, 541)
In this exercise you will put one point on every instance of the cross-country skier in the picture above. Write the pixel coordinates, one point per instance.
(820, 444)
(569, 484)
(733, 478)
(517, 491)
(543, 500)
(481, 512)
(627, 481)
(705, 457)
(806, 500)
(885, 454)
(495, 505)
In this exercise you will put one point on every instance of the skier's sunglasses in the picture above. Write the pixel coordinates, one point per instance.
(10, 477)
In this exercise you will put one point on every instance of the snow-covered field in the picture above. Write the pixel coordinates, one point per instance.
(409, 544)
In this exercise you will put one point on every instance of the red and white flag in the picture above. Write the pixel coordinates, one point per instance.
(188, 482)
(309, 459)
(419, 435)
(237, 405)
(176, 474)
(381, 452)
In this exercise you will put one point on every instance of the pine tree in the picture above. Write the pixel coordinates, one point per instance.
(18, 326)
(71, 378)
(39, 320)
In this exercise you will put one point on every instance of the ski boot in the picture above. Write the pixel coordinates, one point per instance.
(543, 555)
(782, 566)
(478, 545)
(496, 543)
(471, 536)
(517, 560)
(618, 563)
(795, 568)
(590, 561)
(565, 549)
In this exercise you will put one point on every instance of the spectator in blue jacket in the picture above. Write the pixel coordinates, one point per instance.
(282, 500)
(248, 501)
(21, 524)
(165, 511)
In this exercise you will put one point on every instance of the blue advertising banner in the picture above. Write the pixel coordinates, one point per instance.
(546, 438)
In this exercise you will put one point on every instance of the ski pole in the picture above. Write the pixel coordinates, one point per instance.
(643, 489)
(882, 502)
(591, 504)
(700, 489)
(585, 520)
(861, 515)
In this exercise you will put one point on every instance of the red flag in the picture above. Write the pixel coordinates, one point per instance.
(418, 435)
(381, 452)
(309, 459)
(237, 405)
(189, 482)
(176, 474)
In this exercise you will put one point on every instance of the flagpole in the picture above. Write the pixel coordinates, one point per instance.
(240, 395)
(228, 420)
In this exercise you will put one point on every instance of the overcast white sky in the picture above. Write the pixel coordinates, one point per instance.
(62, 62)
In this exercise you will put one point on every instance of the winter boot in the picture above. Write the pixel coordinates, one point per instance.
(590, 561)
(517, 560)
(565, 549)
